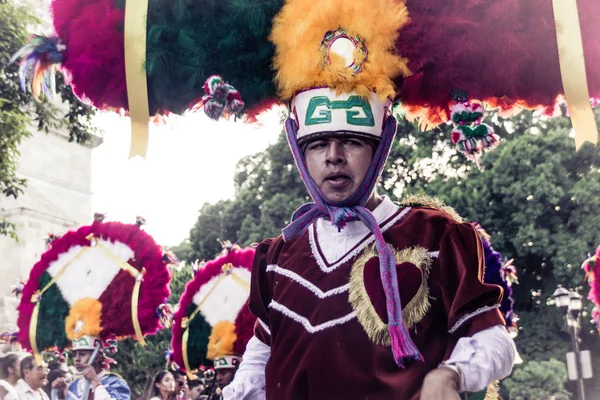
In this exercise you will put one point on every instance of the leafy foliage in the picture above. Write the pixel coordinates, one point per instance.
(548, 376)
(19, 112)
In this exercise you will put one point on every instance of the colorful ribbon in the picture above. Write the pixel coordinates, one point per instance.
(135, 73)
(572, 70)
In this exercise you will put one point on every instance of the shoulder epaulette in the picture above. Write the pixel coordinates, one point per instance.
(422, 200)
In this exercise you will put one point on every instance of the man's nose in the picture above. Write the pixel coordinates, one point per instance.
(335, 152)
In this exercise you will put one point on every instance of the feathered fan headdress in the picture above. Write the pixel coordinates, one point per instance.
(591, 266)
(213, 322)
(454, 54)
(100, 281)
(502, 273)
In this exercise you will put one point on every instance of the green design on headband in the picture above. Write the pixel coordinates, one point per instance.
(352, 115)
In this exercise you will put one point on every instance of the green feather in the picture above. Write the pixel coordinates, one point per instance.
(197, 345)
(53, 313)
(189, 41)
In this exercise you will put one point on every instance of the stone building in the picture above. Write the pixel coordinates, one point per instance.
(57, 197)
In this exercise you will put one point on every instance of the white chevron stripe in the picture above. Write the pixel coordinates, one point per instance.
(370, 239)
(467, 317)
(264, 326)
(306, 323)
(307, 284)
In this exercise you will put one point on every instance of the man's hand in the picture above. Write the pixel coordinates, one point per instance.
(441, 383)
(60, 384)
(90, 374)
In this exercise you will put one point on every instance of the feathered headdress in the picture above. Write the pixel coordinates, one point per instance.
(501, 273)
(451, 55)
(591, 266)
(213, 322)
(100, 281)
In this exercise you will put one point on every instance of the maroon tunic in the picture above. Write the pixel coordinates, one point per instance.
(320, 349)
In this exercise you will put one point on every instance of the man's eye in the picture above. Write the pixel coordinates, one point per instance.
(352, 142)
(316, 145)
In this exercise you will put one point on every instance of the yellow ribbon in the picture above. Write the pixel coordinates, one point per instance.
(186, 362)
(136, 12)
(135, 295)
(186, 321)
(572, 70)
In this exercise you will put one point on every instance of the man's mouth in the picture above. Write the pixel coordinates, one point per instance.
(337, 180)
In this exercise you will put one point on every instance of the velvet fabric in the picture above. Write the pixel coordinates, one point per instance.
(337, 359)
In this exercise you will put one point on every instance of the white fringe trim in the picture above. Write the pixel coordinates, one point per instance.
(323, 265)
(307, 284)
(264, 326)
(467, 317)
(306, 323)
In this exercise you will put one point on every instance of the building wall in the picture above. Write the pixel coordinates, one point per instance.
(57, 198)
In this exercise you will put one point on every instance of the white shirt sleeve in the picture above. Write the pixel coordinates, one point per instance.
(249, 381)
(486, 356)
(100, 393)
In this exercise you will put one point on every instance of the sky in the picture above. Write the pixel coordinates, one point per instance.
(190, 161)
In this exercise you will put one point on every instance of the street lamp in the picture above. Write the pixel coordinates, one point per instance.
(561, 299)
(569, 304)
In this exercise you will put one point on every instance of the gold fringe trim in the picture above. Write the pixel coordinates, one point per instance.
(412, 313)
(493, 391)
(427, 201)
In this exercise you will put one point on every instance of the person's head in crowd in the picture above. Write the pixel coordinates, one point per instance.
(197, 387)
(82, 351)
(181, 383)
(225, 369)
(164, 386)
(34, 373)
(10, 370)
(53, 375)
(58, 365)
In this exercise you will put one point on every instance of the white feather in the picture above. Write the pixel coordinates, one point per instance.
(90, 274)
(226, 300)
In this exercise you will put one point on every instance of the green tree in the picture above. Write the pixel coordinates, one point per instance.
(19, 112)
(540, 380)
(268, 190)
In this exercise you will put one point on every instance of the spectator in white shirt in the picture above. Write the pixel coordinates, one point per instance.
(34, 376)
(9, 374)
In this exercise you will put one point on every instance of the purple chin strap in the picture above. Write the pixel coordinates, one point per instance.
(353, 209)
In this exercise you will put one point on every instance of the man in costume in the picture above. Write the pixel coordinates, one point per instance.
(103, 385)
(361, 297)
(225, 369)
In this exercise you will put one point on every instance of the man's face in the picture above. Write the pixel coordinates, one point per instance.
(224, 376)
(338, 165)
(182, 384)
(196, 391)
(81, 359)
(37, 376)
(13, 368)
